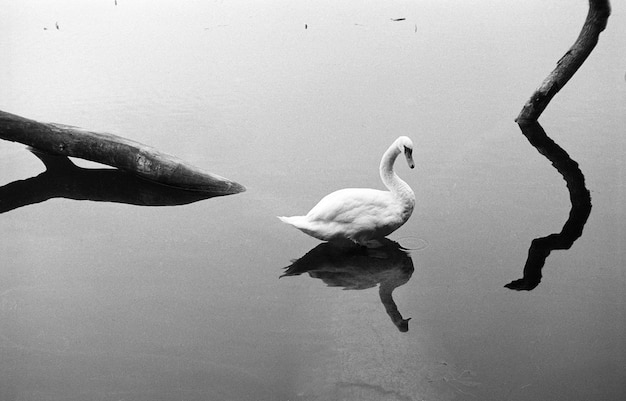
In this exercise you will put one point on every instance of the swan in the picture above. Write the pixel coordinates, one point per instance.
(363, 215)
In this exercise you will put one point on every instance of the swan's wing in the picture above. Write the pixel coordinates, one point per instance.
(348, 205)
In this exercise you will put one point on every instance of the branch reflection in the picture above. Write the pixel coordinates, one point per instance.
(63, 179)
(541, 247)
(358, 268)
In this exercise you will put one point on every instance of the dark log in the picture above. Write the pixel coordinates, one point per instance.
(125, 154)
(63, 179)
(597, 17)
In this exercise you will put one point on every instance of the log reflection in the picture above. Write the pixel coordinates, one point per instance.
(359, 268)
(63, 179)
(580, 199)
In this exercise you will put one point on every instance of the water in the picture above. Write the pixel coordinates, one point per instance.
(111, 301)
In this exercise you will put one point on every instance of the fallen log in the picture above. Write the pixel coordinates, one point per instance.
(63, 179)
(124, 154)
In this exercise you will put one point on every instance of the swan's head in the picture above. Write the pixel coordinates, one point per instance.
(406, 145)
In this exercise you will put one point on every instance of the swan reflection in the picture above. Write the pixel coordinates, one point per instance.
(541, 247)
(353, 267)
(63, 179)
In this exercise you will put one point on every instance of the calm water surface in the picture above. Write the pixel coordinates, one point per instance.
(114, 301)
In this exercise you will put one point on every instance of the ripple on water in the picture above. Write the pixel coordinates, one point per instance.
(413, 243)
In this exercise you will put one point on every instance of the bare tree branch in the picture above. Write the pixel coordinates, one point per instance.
(540, 248)
(566, 67)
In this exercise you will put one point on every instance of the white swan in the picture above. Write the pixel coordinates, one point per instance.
(363, 215)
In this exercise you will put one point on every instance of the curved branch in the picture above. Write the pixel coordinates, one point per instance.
(597, 17)
(566, 67)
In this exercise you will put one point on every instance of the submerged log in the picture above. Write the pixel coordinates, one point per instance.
(63, 179)
(124, 154)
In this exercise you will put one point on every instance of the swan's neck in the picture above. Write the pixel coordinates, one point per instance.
(391, 180)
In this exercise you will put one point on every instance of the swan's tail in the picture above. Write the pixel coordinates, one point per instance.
(302, 224)
(290, 220)
(299, 222)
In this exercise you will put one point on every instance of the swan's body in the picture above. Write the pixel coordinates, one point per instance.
(363, 215)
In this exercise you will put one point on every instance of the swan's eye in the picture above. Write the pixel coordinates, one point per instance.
(408, 151)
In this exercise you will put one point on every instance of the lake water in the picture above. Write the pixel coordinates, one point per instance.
(114, 301)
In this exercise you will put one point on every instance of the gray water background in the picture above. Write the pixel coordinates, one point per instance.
(110, 301)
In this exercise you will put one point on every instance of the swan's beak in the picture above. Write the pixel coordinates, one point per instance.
(408, 153)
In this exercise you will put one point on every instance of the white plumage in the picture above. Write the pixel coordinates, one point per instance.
(363, 215)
